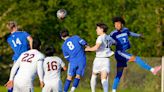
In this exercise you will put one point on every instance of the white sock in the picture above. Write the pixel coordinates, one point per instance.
(152, 69)
(105, 84)
(73, 89)
(93, 82)
(114, 90)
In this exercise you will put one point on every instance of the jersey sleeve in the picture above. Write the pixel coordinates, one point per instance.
(81, 41)
(40, 68)
(134, 34)
(14, 69)
(26, 34)
(66, 55)
(110, 40)
(61, 62)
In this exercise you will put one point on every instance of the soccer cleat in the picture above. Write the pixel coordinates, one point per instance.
(156, 69)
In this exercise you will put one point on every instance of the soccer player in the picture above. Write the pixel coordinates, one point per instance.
(52, 67)
(29, 63)
(20, 41)
(74, 53)
(101, 64)
(120, 35)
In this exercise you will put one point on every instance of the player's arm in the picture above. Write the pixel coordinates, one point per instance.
(64, 68)
(94, 48)
(66, 55)
(14, 69)
(29, 38)
(40, 71)
(82, 41)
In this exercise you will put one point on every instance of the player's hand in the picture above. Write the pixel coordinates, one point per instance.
(41, 84)
(9, 84)
(141, 36)
(87, 48)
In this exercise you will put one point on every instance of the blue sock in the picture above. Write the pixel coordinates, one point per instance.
(117, 79)
(76, 82)
(141, 63)
(66, 85)
(10, 90)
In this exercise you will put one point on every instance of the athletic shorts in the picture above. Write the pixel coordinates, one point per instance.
(122, 58)
(101, 64)
(53, 86)
(76, 68)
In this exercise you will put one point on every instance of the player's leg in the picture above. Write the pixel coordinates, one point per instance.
(71, 72)
(95, 70)
(121, 63)
(117, 78)
(93, 82)
(142, 64)
(60, 86)
(105, 69)
(104, 81)
(79, 73)
(75, 83)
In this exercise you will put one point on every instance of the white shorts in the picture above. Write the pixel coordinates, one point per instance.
(52, 86)
(21, 85)
(101, 64)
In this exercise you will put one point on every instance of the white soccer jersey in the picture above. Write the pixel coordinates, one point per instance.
(29, 64)
(52, 68)
(103, 50)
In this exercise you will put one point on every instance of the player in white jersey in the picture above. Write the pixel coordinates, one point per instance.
(52, 68)
(29, 64)
(101, 64)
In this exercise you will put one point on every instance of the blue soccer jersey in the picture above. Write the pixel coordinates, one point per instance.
(73, 49)
(122, 44)
(18, 42)
(74, 53)
(121, 38)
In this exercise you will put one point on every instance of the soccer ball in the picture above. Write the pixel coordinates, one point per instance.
(61, 13)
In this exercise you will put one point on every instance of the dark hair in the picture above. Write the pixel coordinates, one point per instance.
(36, 43)
(117, 19)
(49, 51)
(103, 26)
(64, 33)
(11, 24)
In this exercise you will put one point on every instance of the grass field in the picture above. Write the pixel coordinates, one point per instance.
(37, 89)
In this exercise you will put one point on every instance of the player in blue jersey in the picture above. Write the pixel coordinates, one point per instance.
(74, 53)
(19, 41)
(120, 35)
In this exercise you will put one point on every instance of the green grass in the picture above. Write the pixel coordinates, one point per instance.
(37, 89)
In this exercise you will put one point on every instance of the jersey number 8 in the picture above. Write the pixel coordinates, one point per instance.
(70, 45)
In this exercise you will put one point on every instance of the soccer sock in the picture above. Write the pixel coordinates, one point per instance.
(75, 84)
(93, 82)
(66, 85)
(105, 85)
(117, 80)
(10, 90)
(114, 90)
(141, 63)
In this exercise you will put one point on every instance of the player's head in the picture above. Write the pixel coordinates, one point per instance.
(12, 25)
(36, 43)
(118, 22)
(49, 51)
(101, 28)
(64, 33)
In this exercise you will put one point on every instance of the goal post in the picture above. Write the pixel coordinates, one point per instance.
(162, 75)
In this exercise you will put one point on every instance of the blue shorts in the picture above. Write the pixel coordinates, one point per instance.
(78, 68)
(122, 58)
